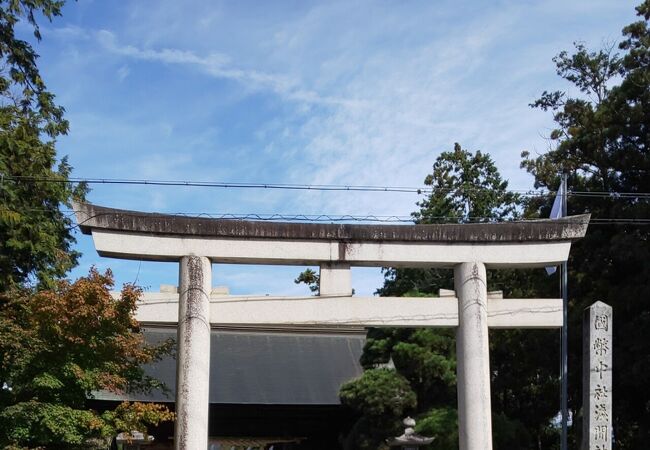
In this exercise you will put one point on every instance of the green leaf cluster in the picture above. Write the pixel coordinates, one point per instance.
(467, 187)
(380, 396)
(442, 424)
(310, 278)
(35, 235)
(21, 84)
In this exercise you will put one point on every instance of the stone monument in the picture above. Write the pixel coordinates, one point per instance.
(597, 377)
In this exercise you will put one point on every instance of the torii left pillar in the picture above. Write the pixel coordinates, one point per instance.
(193, 354)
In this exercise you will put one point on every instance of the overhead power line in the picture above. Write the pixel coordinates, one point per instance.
(612, 195)
(221, 184)
(314, 187)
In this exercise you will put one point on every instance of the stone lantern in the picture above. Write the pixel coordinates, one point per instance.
(410, 440)
(133, 440)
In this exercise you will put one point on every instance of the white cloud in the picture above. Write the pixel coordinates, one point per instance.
(219, 65)
(123, 72)
(70, 32)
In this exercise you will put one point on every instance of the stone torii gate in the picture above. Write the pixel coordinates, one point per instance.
(469, 249)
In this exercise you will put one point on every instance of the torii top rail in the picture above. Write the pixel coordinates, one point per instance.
(163, 237)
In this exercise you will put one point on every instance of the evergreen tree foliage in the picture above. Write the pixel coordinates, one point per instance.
(602, 141)
(35, 236)
(380, 396)
(466, 187)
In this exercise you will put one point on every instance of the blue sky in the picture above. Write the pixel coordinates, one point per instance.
(333, 92)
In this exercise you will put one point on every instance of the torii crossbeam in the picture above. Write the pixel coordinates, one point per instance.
(469, 249)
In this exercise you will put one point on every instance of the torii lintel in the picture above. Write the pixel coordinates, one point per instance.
(138, 235)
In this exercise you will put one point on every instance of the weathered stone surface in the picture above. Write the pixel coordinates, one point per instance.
(409, 439)
(335, 280)
(160, 237)
(193, 357)
(92, 216)
(319, 312)
(473, 355)
(597, 377)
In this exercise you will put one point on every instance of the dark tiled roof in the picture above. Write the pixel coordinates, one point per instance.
(265, 367)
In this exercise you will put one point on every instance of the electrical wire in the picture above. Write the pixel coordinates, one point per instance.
(314, 187)
(220, 184)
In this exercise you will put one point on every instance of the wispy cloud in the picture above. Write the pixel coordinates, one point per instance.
(422, 98)
(219, 65)
(123, 72)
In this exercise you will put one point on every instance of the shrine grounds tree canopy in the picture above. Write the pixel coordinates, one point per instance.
(602, 140)
(59, 341)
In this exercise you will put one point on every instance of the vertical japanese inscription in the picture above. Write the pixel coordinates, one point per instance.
(597, 377)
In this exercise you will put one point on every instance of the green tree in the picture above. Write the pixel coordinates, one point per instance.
(35, 236)
(602, 142)
(381, 397)
(310, 278)
(466, 187)
(60, 346)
